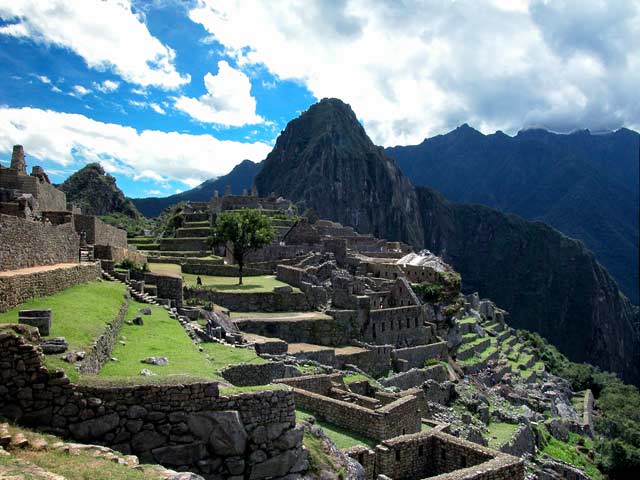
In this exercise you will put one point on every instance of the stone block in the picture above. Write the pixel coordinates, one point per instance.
(41, 319)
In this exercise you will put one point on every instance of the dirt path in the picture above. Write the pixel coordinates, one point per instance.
(45, 268)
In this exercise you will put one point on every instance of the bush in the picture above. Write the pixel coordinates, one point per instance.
(429, 362)
(428, 292)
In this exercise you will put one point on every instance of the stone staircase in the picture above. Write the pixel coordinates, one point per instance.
(86, 254)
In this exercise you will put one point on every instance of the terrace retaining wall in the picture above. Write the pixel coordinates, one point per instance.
(100, 351)
(250, 302)
(26, 243)
(188, 426)
(17, 289)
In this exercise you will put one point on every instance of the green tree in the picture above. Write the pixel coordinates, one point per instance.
(244, 230)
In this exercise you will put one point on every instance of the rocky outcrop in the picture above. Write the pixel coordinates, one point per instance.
(96, 192)
(550, 284)
(324, 160)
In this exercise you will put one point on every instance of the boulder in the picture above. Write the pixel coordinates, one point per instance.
(159, 361)
(283, 289)
(146, 373)
(95, 427)
(138, 321)
(180, 455)
(277, 466)
(145, 310)
(224, 431)
(147, 440)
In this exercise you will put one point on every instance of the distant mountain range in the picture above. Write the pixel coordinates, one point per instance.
(240, 178)
(585, 185)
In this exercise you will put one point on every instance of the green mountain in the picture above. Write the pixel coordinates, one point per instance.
(552, 284)
(583, 184)
(96, 193)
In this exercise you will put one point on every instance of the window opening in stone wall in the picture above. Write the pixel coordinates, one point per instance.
(397, 455)
(421, 450)
(463, 461)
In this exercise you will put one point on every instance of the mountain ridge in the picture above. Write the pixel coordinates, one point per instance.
(583, 184)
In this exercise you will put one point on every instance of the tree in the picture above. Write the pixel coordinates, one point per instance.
(245, 230)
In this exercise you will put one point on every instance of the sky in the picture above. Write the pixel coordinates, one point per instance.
(168, 93)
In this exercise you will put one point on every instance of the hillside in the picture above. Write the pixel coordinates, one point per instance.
(96, 193)
(325, 161)
(550, 284)
(583, 184)
(238, 179)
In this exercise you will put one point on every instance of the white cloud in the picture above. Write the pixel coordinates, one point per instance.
(72, 139)
(55, 89)
(154, 192)
(157, 108)
(419, 67)
(79, 91)
(106, 34)
(228, 100)
(44, 79)
(107, 86)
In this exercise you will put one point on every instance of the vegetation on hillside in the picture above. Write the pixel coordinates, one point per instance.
(617, 409)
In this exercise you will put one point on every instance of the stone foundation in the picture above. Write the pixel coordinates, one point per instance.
(250, 302)
(438, 456)
(100, 351)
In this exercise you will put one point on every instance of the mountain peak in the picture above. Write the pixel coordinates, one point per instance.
(324, 160)
(96, 192)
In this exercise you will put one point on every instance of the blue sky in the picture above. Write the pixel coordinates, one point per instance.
(168, 93)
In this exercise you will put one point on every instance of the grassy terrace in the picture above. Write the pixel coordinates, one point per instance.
(79, 314)
(165, 268)
(341, 437)
(500, 433)
(159, 336)
(261, 283)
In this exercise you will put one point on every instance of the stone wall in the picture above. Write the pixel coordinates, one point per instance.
(249, 374)
(278, 252)
(336, 331)
(415, 357)
(184, 244)
(397, 418)
(250, 302)
(168, 286)
(292, 275)
(401, 326)
(17, 289)
(100, 351)
(30, 244)
(219, 270)
(415, 377)
(98, 232)
(189, 426)
(48, 197)
(438, 456)
(118, 254)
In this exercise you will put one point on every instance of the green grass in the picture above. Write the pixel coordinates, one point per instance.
(467, 321)
(568, 452)
(260, 283)
(159, 336)
(165, 268)
(79, 314)
(500, 433)
(341, 437)
(221, 356)
(81, 466)
(357, 377)
(319, 460)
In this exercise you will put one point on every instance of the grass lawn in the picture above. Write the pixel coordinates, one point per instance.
(260, 283)
(500, 433)
(79, 314)
(159, 336)
(165, 268)
(341, 437)
(221, 356)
